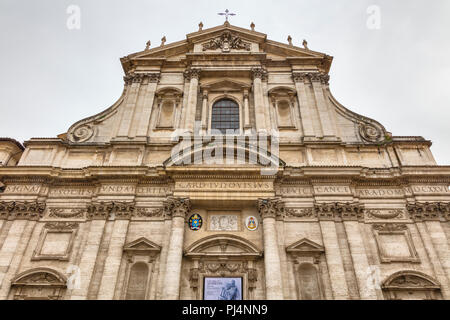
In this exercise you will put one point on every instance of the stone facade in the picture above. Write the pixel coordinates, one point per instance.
(102, 211)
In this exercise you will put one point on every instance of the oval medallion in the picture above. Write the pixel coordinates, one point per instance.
(251, 223)
(195, 222)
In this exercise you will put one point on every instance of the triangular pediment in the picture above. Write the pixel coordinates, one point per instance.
(141, 244)
(305, 246)
(221, 39)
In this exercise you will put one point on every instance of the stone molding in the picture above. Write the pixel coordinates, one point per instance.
(429, 211)
(26, 210)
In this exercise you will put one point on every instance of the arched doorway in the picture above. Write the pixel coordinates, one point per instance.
(229, 261)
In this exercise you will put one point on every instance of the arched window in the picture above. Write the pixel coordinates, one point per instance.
(137, 283)
(225, 115)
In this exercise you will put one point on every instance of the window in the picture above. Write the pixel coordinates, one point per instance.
(225, 115)
(137, 284)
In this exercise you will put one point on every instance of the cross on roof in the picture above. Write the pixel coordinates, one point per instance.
(226, 14)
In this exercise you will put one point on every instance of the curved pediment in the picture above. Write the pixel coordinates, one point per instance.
(223, 245)
(40, 277)
(410, 280)
(216, 153)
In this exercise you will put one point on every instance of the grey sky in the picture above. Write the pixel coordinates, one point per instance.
(52, 77)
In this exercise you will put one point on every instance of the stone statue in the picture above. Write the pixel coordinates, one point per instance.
(147, 45)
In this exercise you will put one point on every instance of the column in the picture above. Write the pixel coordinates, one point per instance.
(10, 246)
(205, 110)
(258, 74)
(127, 109)
(305, 110)
(269, 209)
(88, 259)
(178, 208)
(325, 117)
(113, 260)
(360, 261)
(332, 252)
(193, 75)
(144, 122)
(247, 126)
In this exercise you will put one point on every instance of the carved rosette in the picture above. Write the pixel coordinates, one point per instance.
(82, 133)
(337, 210)
(429, 210)
(225, 42)
(33, 210)
(271, 208)
(370, 133)
(106, 210)
(259, 73)
(177, 207)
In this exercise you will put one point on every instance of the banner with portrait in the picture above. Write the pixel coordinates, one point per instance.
(226, 288)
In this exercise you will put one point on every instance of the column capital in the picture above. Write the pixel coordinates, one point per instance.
(299, 76)
(153, 77)
(259, 73)
(177, 207)
(349, 211)
(429, 211)
(271, 208)
(192, 73)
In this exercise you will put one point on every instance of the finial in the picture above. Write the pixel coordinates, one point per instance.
(252, 26)
(200, 26)
(289, 39)
(147, 45)
(163, 41)
(305, 44)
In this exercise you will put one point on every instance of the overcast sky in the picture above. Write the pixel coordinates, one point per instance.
(52, 76)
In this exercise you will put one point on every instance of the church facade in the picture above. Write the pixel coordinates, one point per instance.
(226, 170)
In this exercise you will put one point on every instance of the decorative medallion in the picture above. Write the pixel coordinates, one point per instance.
(251, 223)
(195, 222)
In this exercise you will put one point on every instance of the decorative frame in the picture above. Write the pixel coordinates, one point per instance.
(220, 263)
(56, 227)
(410, 280)
(307, 252)
(212, 213)
(163, 96)
(41, 278)
(394, 229)
(140, 250)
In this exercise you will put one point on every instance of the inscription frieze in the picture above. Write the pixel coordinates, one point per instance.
(224, 185)
(380, 193)
(332, 190)
(22, 189)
